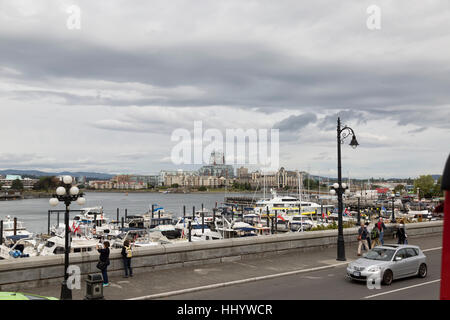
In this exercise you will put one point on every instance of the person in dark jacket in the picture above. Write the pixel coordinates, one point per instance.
(401, 234)
(126, 257)
(104, 261)
(362, 238)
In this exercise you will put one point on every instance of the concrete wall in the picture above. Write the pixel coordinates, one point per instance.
(24, 273)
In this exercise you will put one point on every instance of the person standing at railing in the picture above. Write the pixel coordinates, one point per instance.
(127, 254)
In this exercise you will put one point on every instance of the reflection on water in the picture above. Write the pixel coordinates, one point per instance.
(33, 212)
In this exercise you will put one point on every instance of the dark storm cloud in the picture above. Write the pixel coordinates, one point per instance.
(296, 123)
(233, 74)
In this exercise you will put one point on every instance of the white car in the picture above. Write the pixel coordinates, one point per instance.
(389, 262)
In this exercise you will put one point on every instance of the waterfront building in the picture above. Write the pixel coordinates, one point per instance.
(27, 183)
(217, 167)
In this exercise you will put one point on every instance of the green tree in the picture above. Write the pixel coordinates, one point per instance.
(399, 188)
(46, 183)
(17, 185)
(437, 191)
(202, 188)
(175, 185)
(426, 186)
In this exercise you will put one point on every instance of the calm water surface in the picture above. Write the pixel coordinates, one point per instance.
(33, 212)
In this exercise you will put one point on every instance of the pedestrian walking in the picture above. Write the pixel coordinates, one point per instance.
(375, 236)
(104, 261)
(381, 228)
(401, 234)
(127, 254)
(362, 238)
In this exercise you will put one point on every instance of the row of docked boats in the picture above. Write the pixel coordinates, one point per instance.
(152, 228)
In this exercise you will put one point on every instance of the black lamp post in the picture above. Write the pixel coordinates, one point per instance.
(67, 194)
(393, 214)
(339, 187)
(358, 222)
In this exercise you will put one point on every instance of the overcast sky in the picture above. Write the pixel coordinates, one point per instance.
(107, 97)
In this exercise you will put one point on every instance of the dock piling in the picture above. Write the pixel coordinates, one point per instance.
(1, 232)
(15, 226)
(153, 210)
(126, 214)
(48, 223)
(190, 228)
(123, 222)
(203, 221)
(118, 216)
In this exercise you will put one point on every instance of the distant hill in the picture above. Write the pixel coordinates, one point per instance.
(36, 173)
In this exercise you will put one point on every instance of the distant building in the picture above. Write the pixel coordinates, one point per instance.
(217, 167)
(7, 182)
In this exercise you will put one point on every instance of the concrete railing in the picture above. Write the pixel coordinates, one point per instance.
(24, 273)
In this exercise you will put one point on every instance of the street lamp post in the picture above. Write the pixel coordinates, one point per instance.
(342, 134)
(358, 222)
(393, 214)
(67, 194)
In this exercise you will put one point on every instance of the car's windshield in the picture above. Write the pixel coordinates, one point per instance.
(382, 254)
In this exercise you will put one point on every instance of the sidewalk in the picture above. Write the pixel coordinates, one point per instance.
(164, 281)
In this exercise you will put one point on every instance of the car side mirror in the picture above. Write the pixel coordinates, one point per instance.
(398, 258)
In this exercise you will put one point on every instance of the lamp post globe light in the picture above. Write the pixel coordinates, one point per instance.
(342, 134)
(67, 194)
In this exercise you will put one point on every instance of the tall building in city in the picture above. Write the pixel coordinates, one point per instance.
(217, 167)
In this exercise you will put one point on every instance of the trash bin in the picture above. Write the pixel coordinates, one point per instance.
(94, 287)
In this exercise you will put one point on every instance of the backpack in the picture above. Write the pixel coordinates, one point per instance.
(129, 252)
(374, 233)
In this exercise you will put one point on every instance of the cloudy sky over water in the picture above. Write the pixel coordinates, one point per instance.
(108, 96)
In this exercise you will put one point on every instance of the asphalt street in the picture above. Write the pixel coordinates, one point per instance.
(332, 284)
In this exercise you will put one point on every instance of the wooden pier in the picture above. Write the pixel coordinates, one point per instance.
(10, 195)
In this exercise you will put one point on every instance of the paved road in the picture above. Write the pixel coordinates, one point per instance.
(331, 284)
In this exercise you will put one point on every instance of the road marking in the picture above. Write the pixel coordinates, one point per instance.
(231, 283)
(432, 249)
(405, 288)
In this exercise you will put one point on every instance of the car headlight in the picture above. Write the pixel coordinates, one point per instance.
(374, 269)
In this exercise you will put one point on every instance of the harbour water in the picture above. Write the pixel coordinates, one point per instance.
(34, 212)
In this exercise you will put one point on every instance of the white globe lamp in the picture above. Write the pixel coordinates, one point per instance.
(67, 179)
(74, 191)
(54, 202)
(81, 201)
(60, 191)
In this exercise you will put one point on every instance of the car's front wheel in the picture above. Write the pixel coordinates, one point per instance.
(422, 271)
(388, 277)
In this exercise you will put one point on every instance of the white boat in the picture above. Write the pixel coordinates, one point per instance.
(8, 229)
(209, 235)
(234, 229)
(56, 245)
(285, 205)
(165, 226)
(300, 223)
(197, 228)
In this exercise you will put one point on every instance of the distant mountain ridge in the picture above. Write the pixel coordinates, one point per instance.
(37, 173)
